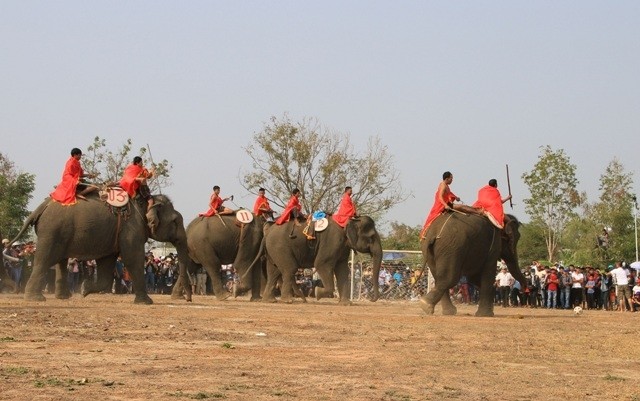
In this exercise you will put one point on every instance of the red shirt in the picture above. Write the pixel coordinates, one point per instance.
(65, 192)
(293, 204)
(129, 182)
(214, 204)
(553, 282)
(490, 200)
(438, 207)
(261, 203)
(346, 210)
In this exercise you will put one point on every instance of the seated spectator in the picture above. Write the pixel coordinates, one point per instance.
(635, 299)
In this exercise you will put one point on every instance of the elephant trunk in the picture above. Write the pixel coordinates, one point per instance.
(184, 264)
(376, 260)
(514, 269)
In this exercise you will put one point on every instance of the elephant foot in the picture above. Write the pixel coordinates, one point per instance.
(64, 295)
(449, 311)
(374, 297)
(84, 289)
(344, 302)
(484, 313)
(143, 299)
(426, 307)
(38, 297)
(176, 296)
(270, 300)
(286, 300)
(255, 299)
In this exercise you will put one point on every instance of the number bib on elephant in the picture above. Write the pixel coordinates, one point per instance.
(115, 196)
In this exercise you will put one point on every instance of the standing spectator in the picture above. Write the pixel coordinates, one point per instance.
(73, 274)
(12, 263)
(621, 277)
(201, 281)
(27, 264)
(591, 292)
(464, 290)
(552, 288)
(516, 294)
(605, 287)
(577, 280)
(504, 281)
(542, 290)
(565, 289)
(531, 290)
(118, 276)
(635, 300)
(150, 268)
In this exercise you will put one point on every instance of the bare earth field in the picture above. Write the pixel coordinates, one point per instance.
(104, 347)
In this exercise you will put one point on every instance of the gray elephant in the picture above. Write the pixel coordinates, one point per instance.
(287, 249)
(92, 229)
(457, 244)
(221, 240)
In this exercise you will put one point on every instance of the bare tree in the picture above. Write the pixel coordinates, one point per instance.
(109, 165)
(321, 162)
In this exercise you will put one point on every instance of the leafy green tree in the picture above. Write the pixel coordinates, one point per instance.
(613, 212)
(402, 237)
(532, 243)
(109, 164)
(580, 242)
(16, 190)
(554, 196)
(305, 155)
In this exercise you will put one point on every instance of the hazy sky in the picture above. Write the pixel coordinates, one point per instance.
(460, 86)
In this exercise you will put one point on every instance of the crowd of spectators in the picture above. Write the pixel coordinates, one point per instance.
(616, 287)
(558, 287)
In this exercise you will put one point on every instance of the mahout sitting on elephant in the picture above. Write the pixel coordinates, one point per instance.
(221, 240)
(93, 229)
(288, 248)
(456, 244)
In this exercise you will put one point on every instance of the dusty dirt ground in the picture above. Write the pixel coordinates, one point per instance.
(104, 347)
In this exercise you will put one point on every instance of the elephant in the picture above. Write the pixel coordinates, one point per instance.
(458, 244)
(221, 240)
(287, 249)
(92, 229)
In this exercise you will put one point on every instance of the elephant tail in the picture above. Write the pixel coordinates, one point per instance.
(32, 220)
(259, 256)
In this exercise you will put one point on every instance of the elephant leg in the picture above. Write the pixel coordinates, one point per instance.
(325, 271)
(447, 306)
(256, 282)
(133, 259)
(288, 287)
(428, 302)
(41, 266)
(273, 274)
(178, 288)
(62, 280)
(485, 303)
(213, 269)
(344, 287)
(104, 277)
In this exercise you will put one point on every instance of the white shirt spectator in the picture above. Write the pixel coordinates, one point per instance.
(578, 279)
(620, 275)
(504, 279)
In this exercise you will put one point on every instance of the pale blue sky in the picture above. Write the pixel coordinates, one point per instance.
(460, 86)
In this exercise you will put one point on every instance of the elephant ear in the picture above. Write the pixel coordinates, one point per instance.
(352, 233)
(152, 218)
(510, 236)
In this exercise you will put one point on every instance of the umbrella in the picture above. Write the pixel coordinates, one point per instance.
(635, 265)
(392, 255)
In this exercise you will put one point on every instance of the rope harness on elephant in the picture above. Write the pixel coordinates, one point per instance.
(444, 225)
